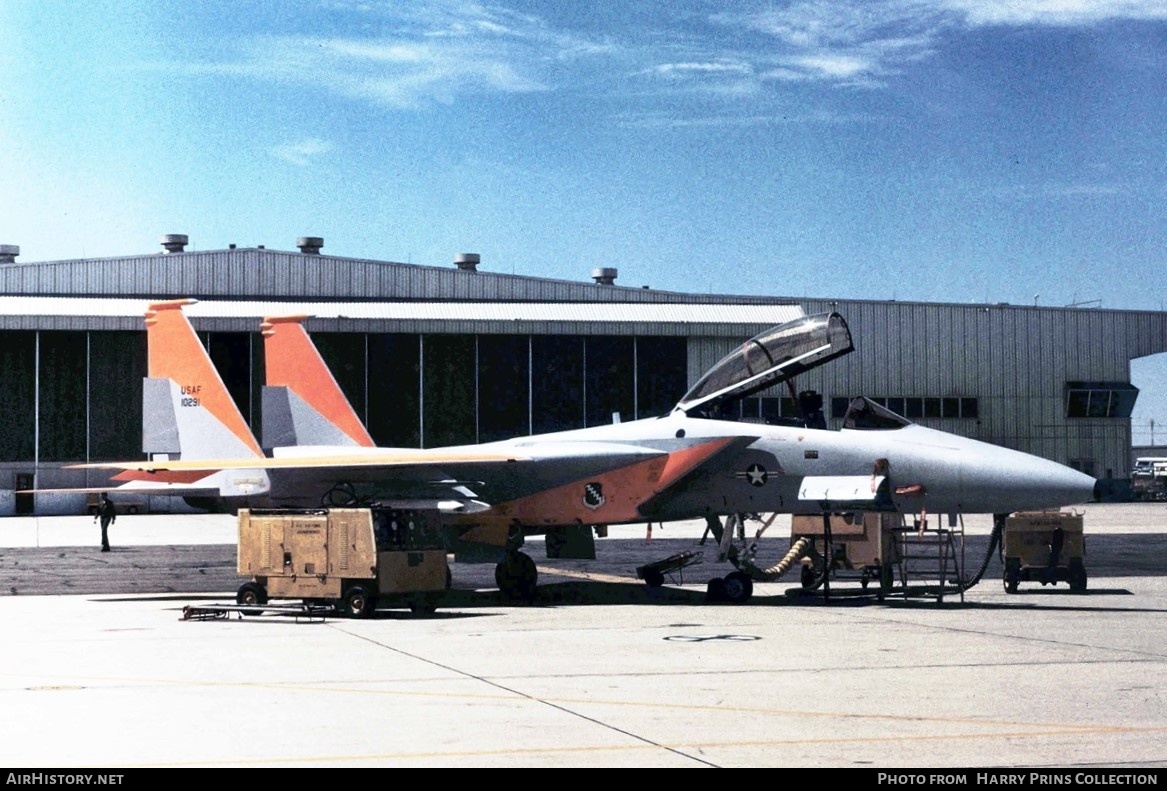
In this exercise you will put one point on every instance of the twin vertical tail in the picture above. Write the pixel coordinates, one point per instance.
(302, 402)
(189, 414)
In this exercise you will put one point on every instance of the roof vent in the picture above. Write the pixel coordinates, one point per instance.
(174, 242)
(468, 262)
(8, 253)
(310, 245)
(605, 275)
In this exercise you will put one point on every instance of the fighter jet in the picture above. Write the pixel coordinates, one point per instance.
(689, 463)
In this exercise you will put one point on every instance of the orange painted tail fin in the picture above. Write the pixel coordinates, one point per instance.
(302, 402)
(186, 407)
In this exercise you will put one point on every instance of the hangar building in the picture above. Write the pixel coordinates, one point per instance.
(438, 355)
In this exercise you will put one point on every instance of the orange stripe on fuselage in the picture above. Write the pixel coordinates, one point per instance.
(682, 462)
(174, 352)
(293, 361)
(624, 490)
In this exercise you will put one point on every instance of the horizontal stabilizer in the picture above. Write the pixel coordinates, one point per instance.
(162, 490)
(378, 457)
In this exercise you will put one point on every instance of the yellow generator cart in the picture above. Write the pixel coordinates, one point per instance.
(862, 543)
(351, 558)
(1045, 547)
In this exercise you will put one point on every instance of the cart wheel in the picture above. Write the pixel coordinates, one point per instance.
(738, 587)
(424, 605)
(653, 578)
(358, 602)
(1012, 577)
(1077, 579)
(251, 593)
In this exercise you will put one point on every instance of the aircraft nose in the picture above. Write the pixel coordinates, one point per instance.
(965, 474)
(1026, 482)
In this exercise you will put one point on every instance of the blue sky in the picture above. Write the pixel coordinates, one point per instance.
(953, 150)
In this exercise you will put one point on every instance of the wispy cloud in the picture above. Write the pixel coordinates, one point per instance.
(666, 121)
(442, 51)
(856, 45)
(1054, 12)
(418, 53)
(302, 152)
(863, 44)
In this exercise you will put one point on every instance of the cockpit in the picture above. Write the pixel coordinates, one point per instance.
(863, 414)
(779, 355)
(776, 355)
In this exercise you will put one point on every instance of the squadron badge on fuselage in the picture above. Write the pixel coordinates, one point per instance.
(593, 496)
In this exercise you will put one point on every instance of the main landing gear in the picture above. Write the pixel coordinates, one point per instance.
(516, 576)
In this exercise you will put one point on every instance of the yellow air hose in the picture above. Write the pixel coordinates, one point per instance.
(775, 572)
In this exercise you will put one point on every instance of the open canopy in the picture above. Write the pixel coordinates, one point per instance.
(776, 355)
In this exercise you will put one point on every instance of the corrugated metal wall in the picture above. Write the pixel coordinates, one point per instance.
(272, 274)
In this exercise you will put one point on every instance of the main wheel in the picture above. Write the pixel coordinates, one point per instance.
(358, 602)
(808, 577)
(250, 593)
(516, 576)
(738, 587)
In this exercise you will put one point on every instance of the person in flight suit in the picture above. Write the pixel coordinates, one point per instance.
(107, 513)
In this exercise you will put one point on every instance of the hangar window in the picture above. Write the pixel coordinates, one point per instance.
(769, 409)
(916, 408)
(1100, 399)
(839, 407)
